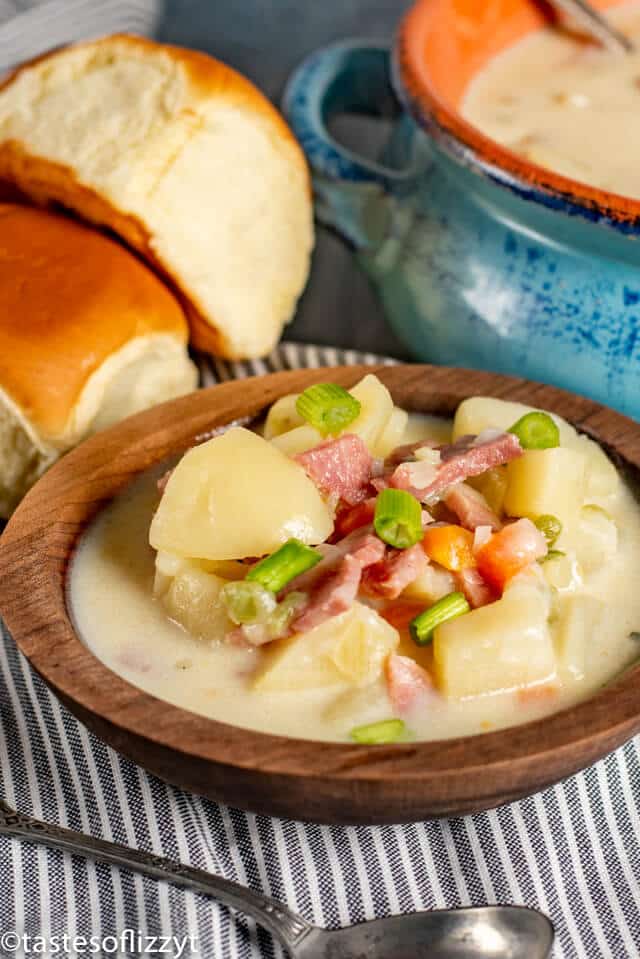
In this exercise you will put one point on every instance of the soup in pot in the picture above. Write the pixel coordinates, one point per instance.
(566, 104)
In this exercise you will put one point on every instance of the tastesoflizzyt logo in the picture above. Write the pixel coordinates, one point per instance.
(129, 942)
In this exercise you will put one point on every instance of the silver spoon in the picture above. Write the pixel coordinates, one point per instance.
(594, 24)
(482, 932)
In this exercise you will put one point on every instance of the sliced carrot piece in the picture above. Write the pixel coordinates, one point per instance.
(450, 546)
(509, 551)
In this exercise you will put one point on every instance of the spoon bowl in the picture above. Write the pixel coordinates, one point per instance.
(483, 932)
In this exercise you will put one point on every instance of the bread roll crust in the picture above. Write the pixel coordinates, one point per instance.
(234, 244)
(69, 299)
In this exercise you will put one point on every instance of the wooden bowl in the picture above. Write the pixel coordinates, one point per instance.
(331, 782)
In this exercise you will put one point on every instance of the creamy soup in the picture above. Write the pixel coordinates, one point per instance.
(549, 636)
(567, 105)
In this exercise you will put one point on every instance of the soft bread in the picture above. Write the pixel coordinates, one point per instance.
(183, 158)
(88, 335)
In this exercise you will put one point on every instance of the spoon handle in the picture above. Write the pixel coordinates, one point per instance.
(595, 24)
(289, 928)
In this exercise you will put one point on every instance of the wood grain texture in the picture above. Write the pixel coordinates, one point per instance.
(332, 782)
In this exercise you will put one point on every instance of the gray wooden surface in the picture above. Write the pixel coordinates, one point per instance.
(265, 39)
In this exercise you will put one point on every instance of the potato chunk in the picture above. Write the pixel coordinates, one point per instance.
(348, 649)
(547, 481)
(596, 539)
(393, 433)
(235, 496)
(376, 411)
(603, 479)
(283, 416)
(298, 440)
(503, 646)
(480, 413)
(430, 586)
(191, 597)
(578, 618)
(378, 423)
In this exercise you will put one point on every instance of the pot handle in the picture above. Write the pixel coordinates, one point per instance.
(352, 193)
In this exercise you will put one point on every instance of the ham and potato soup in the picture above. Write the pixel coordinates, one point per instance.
(349, 572)
(567, 105)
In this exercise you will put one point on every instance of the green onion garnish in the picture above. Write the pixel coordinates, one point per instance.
(284, 612)
(247, 603)
(449, 607)
(550, 527)
(376, 734)
(328, 407)
(398, 518)
(552, 554)
(275, 571)
(536, 431)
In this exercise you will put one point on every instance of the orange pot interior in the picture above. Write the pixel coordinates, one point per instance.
(443, 44)
(449, 41)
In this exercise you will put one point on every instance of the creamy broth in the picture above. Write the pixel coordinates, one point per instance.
(566, 105)
(111, 599)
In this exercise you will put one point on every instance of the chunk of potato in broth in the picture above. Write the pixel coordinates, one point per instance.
(214, 504)
(503, 646)
(350, 649)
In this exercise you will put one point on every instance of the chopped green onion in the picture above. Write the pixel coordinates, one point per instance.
(328, 407)
(398, 518)
(536, 431)
(376, 734)
(275, 571)
(247, 603)
(449, 607)
(552, 554)
(550, 527)
(284, 612)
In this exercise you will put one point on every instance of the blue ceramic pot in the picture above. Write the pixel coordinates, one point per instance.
(477, 262)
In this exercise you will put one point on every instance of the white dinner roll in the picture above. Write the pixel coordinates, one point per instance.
(88, 335)
(184, 159)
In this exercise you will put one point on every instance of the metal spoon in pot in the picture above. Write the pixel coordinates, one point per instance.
(483, 932)
(594, 24)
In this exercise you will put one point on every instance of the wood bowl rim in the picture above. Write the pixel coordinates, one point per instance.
(38, 545)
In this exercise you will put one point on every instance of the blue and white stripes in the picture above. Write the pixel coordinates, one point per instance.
(573, 850)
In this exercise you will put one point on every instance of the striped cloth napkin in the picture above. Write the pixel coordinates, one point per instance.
(573, 851)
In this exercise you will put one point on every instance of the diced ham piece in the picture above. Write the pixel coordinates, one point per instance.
(471, 507)
(472, 584)
(408, 683)
(354, 517)
(459, 461)
(382, 482)
(334, 595)
(332, 585)
(399, 568)
(341, 467)
(361, 544)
